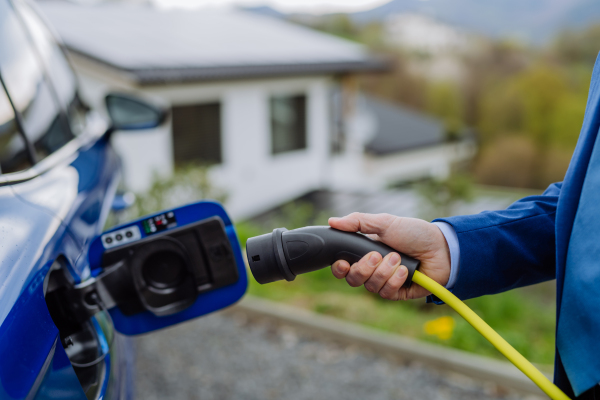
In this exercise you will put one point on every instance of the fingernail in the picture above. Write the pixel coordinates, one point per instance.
(393, 260)
(333, 219)
(374, 259)
(402, 272)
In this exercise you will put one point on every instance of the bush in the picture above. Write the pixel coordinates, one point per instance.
(511, 161)
(189, 183)
(508, 161)
(442, 195)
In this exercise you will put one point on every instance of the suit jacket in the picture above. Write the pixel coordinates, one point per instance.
(527, 243)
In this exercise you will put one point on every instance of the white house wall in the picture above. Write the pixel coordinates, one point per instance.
(434, 161)
(145, 154)
(254, 179)
(257, 179)
(363, 172)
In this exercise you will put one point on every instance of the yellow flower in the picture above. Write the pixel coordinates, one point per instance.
(442, 327)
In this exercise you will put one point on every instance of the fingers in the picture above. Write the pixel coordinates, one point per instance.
(361, 271)
(384, 276)
(384, 271)
(340, 269)
(388, 278)
(365, 223)
(392, 288)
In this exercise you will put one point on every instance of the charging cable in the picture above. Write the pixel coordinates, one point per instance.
(491, 335)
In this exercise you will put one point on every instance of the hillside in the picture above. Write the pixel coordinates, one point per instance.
(535, 21)
(531, 20)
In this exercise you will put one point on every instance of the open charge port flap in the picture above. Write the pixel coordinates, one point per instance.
(71, 314)
(164, 273)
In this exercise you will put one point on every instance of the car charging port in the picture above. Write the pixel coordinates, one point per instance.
(165, 271)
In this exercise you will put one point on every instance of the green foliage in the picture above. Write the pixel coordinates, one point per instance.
(527, 122)
(511, 95)
(293, 215)
(298, 214)
(188, 184)
(336, 24)
(441, 195)
(507, 161)
(525, 104)
(579, 46)
(565, 125)
(372, 36)
(245, 230)
(445, 101)
(341, 25)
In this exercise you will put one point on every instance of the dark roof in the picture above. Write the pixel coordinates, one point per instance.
(159, 46)
(399, 128)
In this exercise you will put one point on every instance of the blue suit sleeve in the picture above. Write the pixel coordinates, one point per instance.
(503, 250)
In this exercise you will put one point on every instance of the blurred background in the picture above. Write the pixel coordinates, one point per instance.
(293, 111)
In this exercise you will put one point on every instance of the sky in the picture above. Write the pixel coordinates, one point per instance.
(308, 6)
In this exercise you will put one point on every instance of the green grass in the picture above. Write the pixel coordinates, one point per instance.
(524, 317)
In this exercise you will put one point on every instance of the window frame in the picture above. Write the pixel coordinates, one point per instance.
(62, 117)
(63, 107)
(20, 127)
(94, 128)
(306, 140)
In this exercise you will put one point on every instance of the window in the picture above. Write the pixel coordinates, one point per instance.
(197, 133)
(28, 88)
(14, 156)
(288, 123)
(56, 64)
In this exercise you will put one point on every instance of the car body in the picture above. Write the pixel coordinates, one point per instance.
(58, 182)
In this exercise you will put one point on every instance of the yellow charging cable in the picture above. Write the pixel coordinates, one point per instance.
(491, 335)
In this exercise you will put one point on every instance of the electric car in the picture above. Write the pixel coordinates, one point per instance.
(71, 294)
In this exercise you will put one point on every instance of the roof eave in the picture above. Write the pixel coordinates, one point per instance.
(164, 76)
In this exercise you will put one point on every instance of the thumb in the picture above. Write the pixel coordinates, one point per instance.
(364, 223)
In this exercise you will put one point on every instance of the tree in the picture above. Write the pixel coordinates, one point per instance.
(578, 46)
(445, 101)
(537, 104)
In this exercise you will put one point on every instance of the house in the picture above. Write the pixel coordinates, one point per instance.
(271, 106)
(398, 145)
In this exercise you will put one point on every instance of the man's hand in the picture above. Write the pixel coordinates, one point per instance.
(413, 237)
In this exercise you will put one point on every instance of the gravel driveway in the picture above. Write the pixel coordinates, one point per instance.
(228, 356)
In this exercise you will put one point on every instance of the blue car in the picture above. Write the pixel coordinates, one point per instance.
(70, 294)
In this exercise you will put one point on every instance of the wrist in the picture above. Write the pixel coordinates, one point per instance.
(443, 256)
(452, 250)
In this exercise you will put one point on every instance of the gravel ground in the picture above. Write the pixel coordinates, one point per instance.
(228, 356)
